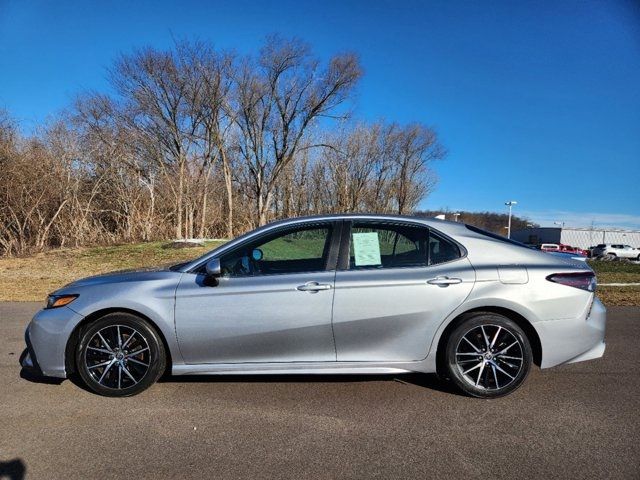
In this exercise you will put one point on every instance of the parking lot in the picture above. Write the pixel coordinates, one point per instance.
(574, 421)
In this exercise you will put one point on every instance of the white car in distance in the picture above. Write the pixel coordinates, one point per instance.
(617, 250)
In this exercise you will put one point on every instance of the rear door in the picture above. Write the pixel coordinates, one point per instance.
(396, 283)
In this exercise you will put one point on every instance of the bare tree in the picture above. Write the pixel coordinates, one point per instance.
(158, 92)
(196, 141)
(279, 99)
(217, 72)
(412, 148)
(378, 168)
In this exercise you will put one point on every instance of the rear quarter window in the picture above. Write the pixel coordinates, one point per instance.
(442, 250)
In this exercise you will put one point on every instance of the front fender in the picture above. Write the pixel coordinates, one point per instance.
(153, 300)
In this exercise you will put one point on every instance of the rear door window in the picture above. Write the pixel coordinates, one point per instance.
(379, 245)
(376, 245)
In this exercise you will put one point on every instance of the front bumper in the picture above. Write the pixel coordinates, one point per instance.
(573, 340)
(46, 338)
(28, 359)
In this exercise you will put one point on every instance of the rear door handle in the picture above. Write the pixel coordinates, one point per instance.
(444, 281)
(313, 287)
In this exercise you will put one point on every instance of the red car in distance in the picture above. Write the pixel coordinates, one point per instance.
(561, 247)
(570, 249)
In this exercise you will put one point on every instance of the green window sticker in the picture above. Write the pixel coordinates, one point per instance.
(366, 247)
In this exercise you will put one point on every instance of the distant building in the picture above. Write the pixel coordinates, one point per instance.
(577, 237)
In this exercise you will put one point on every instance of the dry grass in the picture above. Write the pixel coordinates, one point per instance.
(32, 278)
(620, 296)
(617, 272)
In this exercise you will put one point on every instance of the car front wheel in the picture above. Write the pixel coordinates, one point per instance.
(119, 355)
(488, 356)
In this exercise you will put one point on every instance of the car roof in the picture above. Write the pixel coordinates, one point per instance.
(364, 216)
(437, 223)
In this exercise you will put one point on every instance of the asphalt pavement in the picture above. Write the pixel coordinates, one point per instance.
(574, 421)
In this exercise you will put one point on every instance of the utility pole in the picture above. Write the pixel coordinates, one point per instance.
(510, 204)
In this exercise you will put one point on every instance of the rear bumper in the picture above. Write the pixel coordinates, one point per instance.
(573, 340)
(595, 352)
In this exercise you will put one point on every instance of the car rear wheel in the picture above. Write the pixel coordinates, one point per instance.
(488, 356)
(119, 355)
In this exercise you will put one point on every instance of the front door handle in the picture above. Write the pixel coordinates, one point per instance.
(313, 287)
(444, 281)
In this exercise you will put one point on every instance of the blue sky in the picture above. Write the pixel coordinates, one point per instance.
(537, 102)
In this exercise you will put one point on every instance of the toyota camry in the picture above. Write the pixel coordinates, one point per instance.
(358, 294)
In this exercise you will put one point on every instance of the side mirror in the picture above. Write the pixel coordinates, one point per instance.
(213, 268)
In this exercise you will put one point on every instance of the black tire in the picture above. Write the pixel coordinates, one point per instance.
(498, 370)
(123, 367)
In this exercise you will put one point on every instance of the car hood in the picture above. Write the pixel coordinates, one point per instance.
(123, 276)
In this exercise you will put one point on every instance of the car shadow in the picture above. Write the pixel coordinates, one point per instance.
(13, 469)
(33, 377)
(424, 380)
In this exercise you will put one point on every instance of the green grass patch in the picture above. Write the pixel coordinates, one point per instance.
(287, 249)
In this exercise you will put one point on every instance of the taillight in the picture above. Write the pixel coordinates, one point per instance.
(583, 280)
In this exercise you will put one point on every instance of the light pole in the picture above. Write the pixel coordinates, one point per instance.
(510, 204)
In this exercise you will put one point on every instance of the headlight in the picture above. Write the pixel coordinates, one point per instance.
(55, 301)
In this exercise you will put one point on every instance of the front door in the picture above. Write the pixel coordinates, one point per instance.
(272, 303)
(399, 284)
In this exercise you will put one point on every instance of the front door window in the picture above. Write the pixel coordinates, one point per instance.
(292, 251)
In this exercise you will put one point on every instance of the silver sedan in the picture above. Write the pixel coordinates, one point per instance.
(364, 294)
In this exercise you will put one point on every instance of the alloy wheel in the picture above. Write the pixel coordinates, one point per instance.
(117, 357)
(489, 357)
